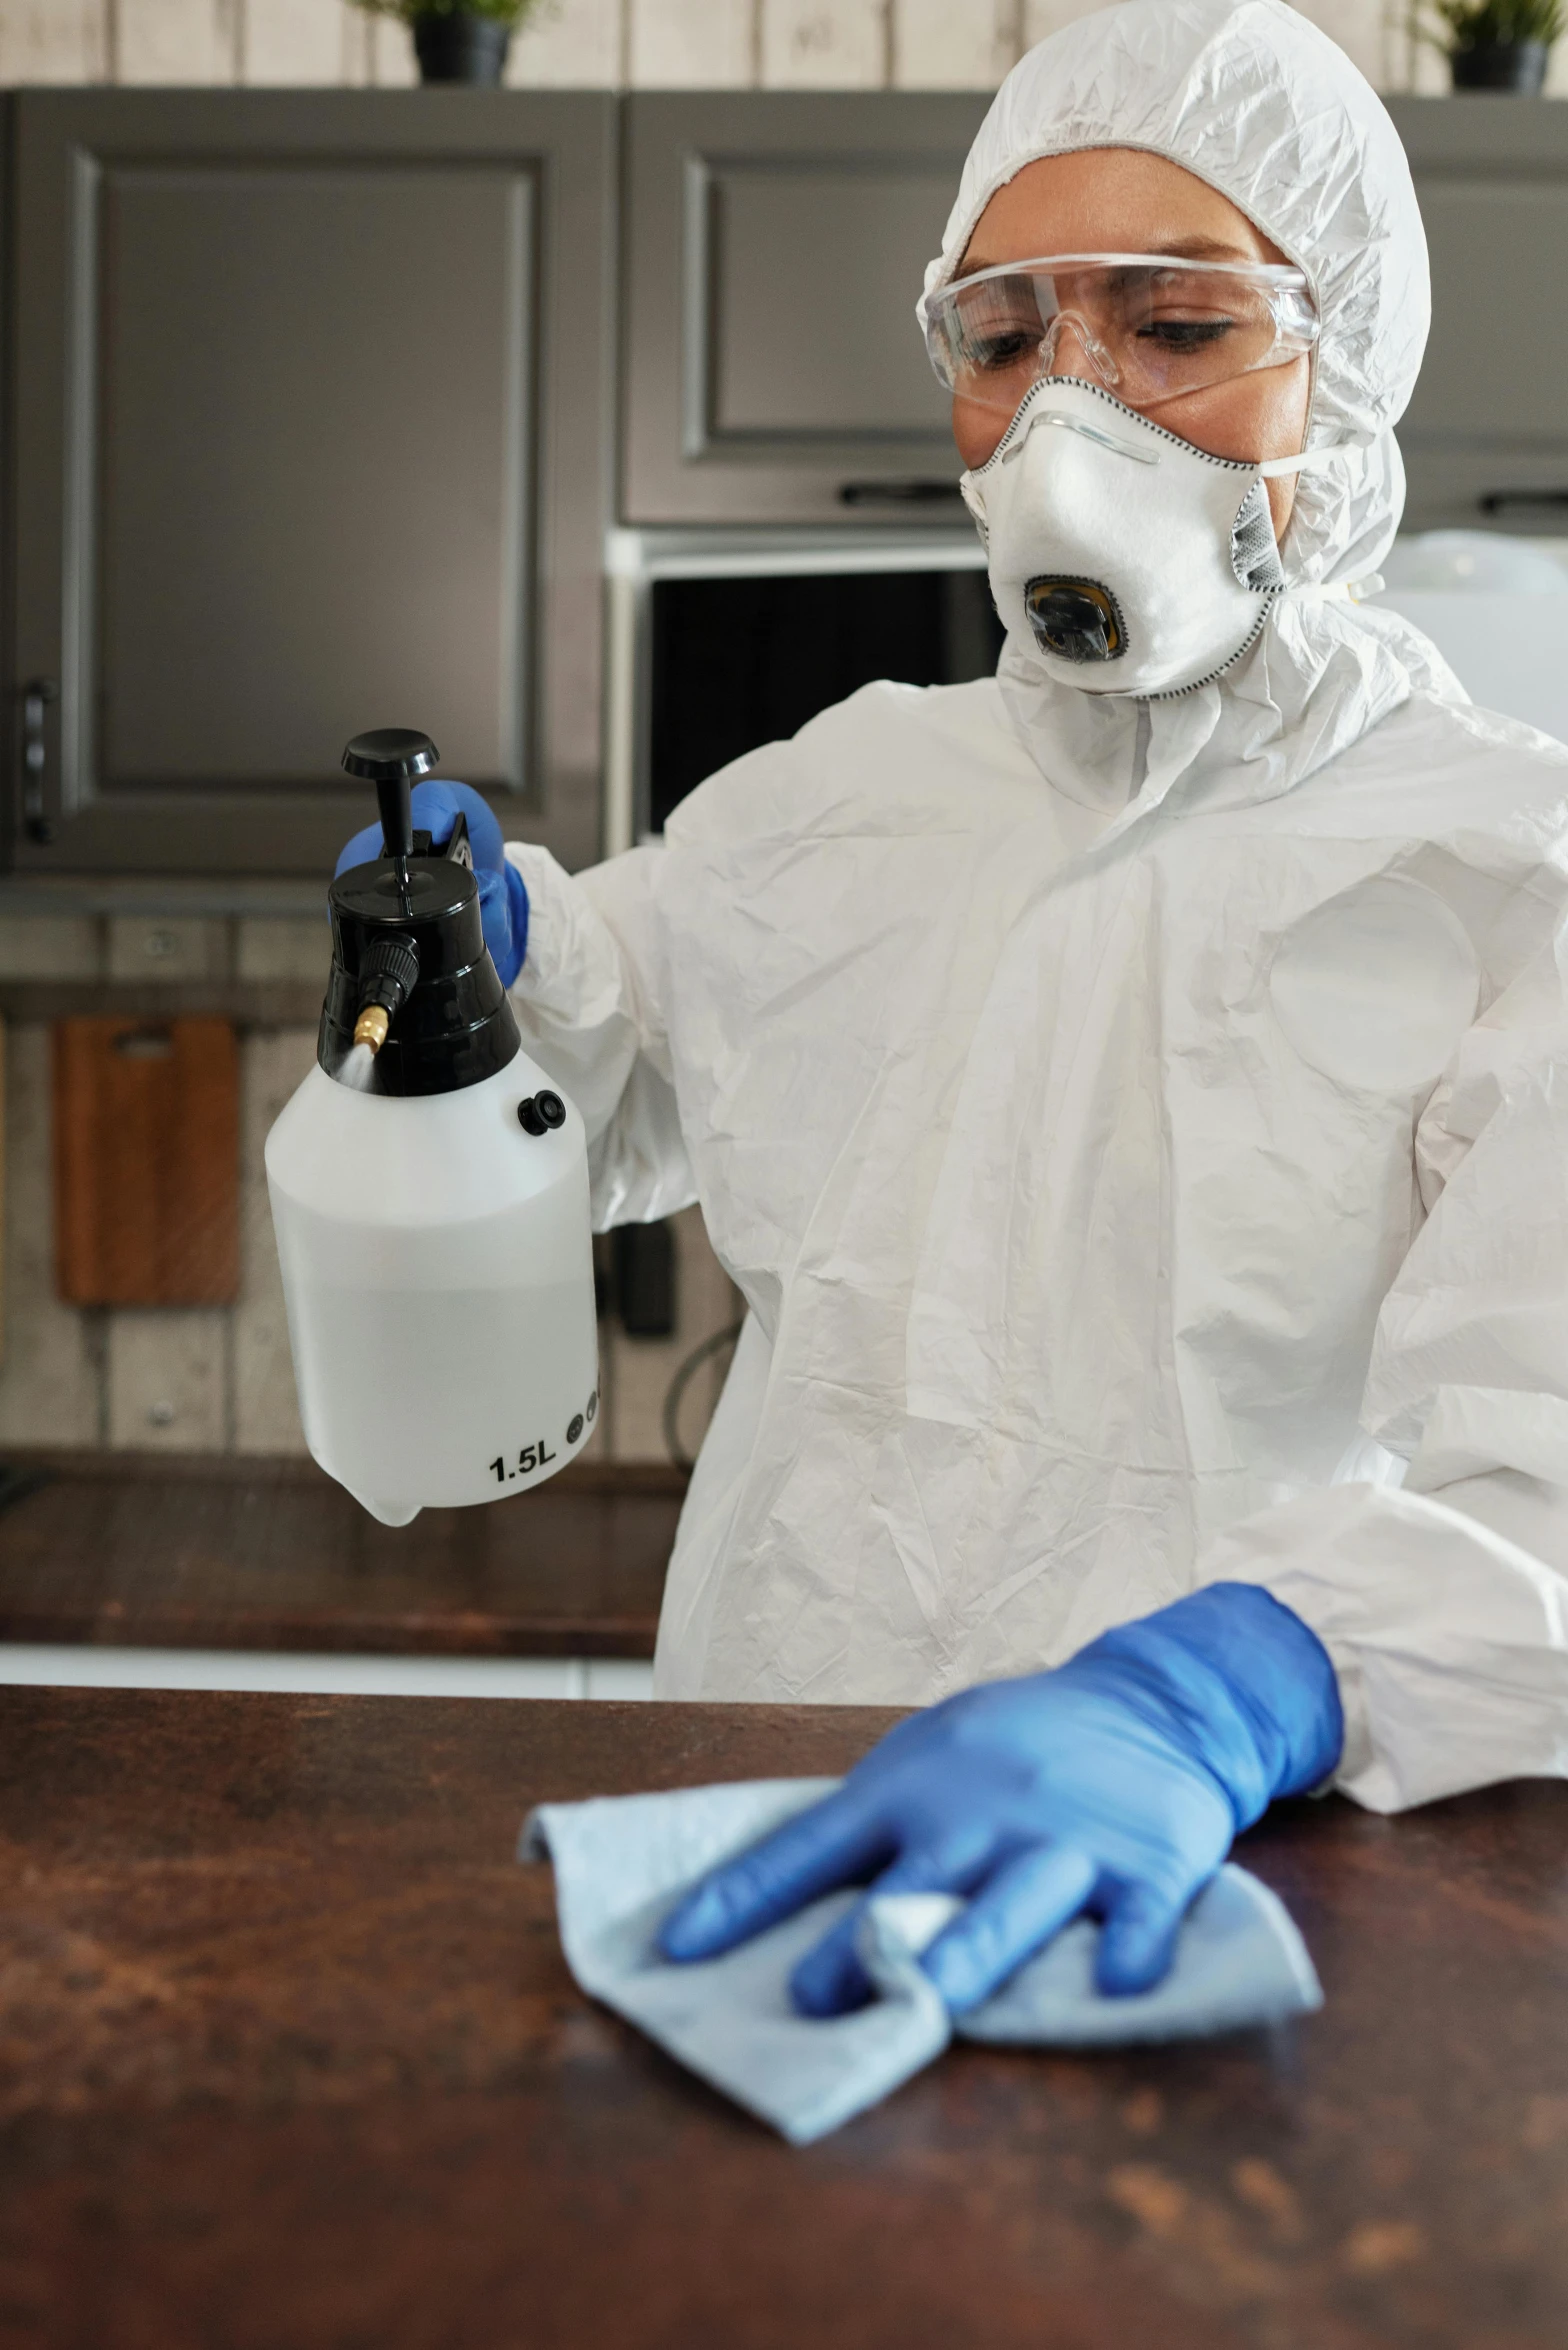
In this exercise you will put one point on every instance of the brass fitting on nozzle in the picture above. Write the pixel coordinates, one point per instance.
(372, 1025)
(386, 978)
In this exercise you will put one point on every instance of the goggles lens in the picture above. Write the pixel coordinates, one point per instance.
(1148, 329)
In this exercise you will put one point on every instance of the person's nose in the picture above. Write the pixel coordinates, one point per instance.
(1070, 349)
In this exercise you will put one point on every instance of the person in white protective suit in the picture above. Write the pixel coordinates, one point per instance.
(1126, 1090)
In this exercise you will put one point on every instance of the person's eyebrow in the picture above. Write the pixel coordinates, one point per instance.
(1202, 249)
(1175, 248)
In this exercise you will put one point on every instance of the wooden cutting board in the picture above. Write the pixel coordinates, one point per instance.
(146, 1162)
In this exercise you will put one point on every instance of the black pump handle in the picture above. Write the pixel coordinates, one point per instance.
(393, 758)
(391, 750)
(397, 817)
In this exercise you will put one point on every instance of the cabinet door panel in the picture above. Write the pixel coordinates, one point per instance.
(775, 245)
(1496, 247)
(311, 398)
(312, 492)
(807, 334)
(1489, 416)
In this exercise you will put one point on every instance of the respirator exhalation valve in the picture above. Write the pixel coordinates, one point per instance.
(1076, 619)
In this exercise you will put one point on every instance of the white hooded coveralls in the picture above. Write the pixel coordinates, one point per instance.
(1138, 1130)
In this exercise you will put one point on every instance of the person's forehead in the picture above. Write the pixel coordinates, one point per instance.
(1109, 199)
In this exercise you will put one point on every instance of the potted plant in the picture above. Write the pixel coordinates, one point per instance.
(1498, 44)
(457, 40)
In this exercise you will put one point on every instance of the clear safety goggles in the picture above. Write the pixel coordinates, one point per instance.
(1149, 328)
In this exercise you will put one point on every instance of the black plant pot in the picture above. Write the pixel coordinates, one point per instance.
(460, 48)
(1501, 65)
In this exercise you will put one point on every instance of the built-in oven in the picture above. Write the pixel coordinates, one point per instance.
(722, 639)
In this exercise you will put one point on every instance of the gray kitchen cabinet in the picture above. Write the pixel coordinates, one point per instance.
(773, 248)
(1485, 439)
(311, 421)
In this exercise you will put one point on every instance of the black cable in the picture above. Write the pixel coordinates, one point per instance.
(675, 1393)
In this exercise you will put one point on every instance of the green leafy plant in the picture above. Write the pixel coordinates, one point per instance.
(1495, 24)
(511, 13)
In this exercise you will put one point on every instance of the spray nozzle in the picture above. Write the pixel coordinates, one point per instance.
(386, 978)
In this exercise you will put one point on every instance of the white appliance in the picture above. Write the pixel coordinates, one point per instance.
(1497, 610)
(725, 638)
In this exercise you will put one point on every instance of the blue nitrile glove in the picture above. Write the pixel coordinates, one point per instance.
(1114, 1785)
(503, 900)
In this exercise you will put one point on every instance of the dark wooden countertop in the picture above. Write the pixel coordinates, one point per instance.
(289, 2056)
(163, 1550)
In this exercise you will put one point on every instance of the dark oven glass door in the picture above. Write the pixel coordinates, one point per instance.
(738, 662)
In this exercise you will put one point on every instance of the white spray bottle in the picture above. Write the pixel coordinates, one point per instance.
(430, 1195)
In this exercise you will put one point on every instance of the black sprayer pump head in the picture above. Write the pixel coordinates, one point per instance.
(411, 977)
(391, 755)
(393, 758)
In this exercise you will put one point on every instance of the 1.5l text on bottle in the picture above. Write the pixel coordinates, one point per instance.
(532, 1456)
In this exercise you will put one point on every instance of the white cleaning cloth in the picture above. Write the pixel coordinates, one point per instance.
(622, 1862)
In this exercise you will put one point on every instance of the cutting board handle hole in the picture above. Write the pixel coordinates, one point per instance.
(144, 1044)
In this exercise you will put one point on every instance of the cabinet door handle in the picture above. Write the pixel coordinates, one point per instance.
(915, 492)
(1494, 501)
(36, 698)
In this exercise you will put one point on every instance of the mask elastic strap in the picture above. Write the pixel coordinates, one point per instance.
(1308, 461)
(1316, 461)
(1371, 583)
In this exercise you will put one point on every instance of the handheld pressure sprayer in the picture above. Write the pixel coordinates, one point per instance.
(429, 1194)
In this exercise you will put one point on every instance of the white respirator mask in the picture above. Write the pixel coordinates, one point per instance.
(1124, 560)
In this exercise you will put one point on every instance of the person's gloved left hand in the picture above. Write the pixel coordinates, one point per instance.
(503, 899)
(1113, 1784)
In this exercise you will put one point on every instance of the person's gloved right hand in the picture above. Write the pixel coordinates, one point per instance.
(503, 899)
(1113, 1784)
